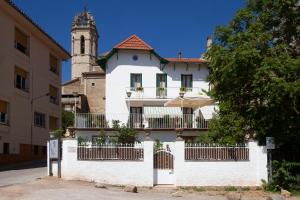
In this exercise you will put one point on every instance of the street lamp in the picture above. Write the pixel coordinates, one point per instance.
(129, 95)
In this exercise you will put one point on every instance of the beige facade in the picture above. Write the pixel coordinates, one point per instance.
(30, 78)
(86, 90)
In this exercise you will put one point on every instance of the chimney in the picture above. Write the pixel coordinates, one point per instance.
(179, 54)
(209, 42)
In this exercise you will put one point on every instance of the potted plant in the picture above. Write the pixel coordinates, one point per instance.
(139, 89)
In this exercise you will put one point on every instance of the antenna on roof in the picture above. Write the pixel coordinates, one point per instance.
(179, 54)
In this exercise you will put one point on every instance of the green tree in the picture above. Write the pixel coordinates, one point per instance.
(255, 68)
(67, 119)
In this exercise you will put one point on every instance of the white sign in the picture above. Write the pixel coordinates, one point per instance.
(53, 148)
(270, 144)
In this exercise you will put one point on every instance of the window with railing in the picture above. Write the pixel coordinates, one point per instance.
(21, 41)
(136, 82)
(21, 79)
(54, 64)
(161, 85)
(39, 119)
(186, 82)
(3, 112)
(53, 94)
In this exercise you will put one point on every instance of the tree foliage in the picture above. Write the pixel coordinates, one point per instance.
(67, 119)
(255, 68)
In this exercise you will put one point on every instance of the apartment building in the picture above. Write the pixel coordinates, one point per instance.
(30, 79)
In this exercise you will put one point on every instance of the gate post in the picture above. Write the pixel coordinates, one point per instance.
(148, 160)
(178, 160)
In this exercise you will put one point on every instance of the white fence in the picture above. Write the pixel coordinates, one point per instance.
(139, 170)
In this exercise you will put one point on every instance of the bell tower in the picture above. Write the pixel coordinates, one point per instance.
(84, 36)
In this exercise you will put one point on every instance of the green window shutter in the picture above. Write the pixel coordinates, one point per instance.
(131, 80)
(181, 80)
(166, 80)
(157, 80)
(191, 81)
(141, 79)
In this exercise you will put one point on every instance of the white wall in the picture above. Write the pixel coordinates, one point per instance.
(138, 173)
(186, 173)
(221, 173)
(118, 70)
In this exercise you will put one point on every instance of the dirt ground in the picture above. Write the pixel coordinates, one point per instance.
(53, 188)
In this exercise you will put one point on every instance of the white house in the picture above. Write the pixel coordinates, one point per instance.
(139, 84)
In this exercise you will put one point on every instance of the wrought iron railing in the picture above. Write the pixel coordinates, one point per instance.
(185, 121)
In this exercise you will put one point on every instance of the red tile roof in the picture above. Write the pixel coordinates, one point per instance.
(134, 42)
(186, 60)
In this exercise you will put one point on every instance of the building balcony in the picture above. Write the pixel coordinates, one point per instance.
(140, 121)
(160, 93)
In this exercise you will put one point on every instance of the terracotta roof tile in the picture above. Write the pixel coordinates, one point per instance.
(134, 42)
(187, 60)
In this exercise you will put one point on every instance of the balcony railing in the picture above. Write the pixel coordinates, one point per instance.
(159, 92)
(185, 121)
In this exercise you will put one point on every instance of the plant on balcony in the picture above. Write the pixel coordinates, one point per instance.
(162, 88)
(139, 89)
(182, 89)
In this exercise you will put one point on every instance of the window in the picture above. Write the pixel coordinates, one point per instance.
(135, 81)
(21, 79)
(93, 84)
(21, 41)
(53, 97)
(136, 117)
(161, 85)
(53, 64)
(82, 45)
(3, 112)
(5, 148)
(187, 82)
(135, 57)
(39, 119)
(53, 123)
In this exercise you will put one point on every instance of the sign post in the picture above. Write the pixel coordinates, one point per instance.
(270, 144)
(54, 154)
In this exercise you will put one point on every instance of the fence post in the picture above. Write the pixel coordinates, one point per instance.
(148, 160)
(178, 160)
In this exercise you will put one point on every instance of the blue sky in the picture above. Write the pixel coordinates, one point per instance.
(167, 25)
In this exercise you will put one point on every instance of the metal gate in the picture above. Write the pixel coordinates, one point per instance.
(163, 167)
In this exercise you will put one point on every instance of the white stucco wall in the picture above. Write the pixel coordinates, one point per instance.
(185, 173)
(138, 173)
(221, 173)
(118, 70)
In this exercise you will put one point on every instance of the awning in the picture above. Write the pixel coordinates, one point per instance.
(190, 102)
(159, 112)
(209, 111)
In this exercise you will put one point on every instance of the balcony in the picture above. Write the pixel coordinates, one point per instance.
(141, 121)
(160, 92)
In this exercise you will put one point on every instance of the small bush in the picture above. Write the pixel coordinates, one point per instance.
(200, 189)
(230, 188)
(286, 175)
(245, 188)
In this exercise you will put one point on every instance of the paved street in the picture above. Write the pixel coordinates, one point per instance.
(17, 176)
(51, 188)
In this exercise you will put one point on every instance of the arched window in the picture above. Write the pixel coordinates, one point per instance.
(82, 44)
